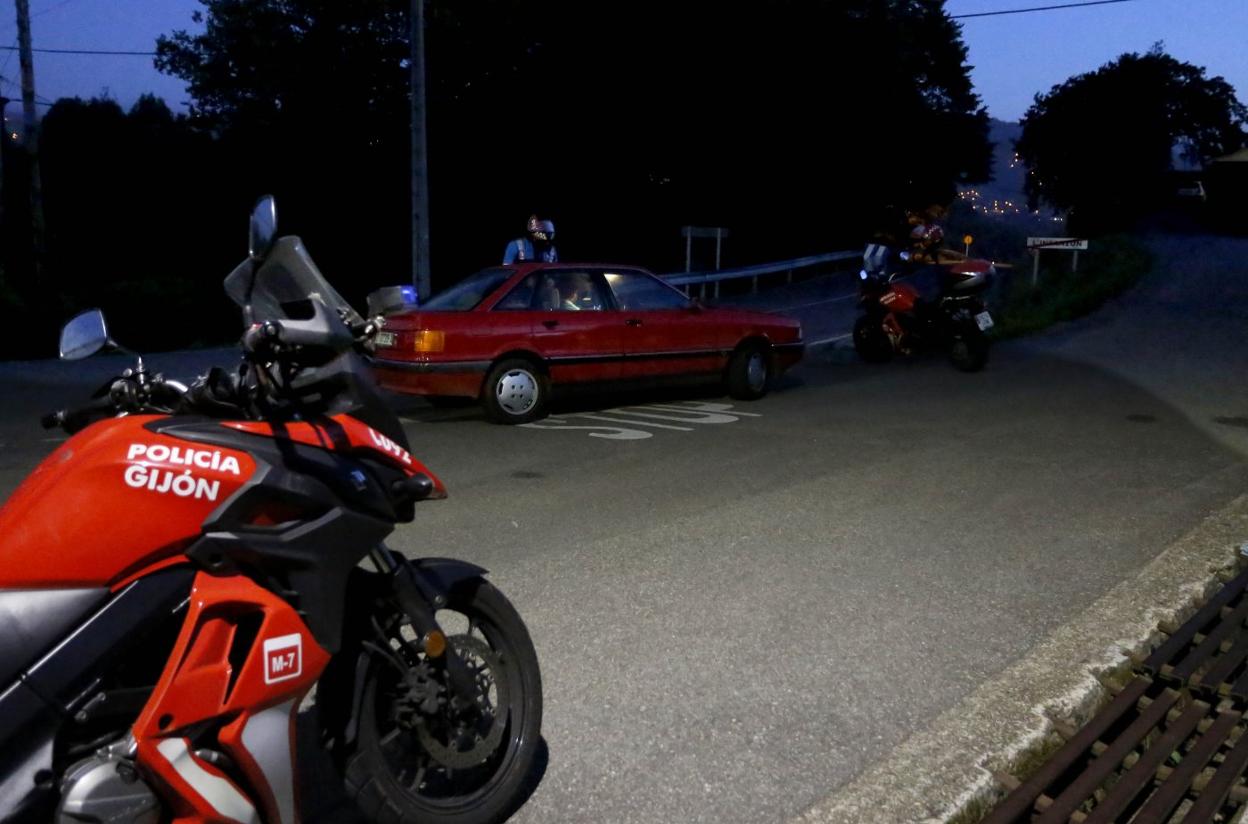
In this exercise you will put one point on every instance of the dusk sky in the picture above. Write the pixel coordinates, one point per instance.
(1015, 56)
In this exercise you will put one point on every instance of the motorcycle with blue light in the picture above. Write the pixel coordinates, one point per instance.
(179, 576)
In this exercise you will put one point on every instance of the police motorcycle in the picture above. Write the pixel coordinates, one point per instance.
(179, 576)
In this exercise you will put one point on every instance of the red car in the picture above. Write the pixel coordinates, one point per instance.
(509, 334)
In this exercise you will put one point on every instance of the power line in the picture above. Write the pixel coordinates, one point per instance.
(42, 12)
(12, 48)
(119, 53)
(1039, 8)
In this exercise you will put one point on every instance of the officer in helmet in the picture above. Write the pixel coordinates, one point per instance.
(537, 244)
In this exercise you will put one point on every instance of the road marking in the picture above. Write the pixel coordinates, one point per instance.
(705, 407)
(836, 299)
(635, 423)
(619, 424)
(612, 433)
(832, 339)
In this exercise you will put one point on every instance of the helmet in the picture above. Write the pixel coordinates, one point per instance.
(542, 230)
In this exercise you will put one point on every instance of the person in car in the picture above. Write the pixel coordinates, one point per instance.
(578, 293)
(537, 244)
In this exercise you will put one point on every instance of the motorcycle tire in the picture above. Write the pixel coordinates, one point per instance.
(394, 773)
(870, 342)
(968, 351)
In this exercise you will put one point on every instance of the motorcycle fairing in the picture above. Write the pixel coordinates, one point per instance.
(302, 523)
(343, 433)
(112, 500)
(900, 297)
(241, 665)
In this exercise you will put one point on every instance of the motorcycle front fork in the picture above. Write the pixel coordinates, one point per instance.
(419, 601)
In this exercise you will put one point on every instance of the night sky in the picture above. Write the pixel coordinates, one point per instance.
(1015, 56)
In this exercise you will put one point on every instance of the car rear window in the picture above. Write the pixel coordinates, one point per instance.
(469, 292)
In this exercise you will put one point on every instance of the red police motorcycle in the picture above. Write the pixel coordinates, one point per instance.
(179, 575)
(946, 314)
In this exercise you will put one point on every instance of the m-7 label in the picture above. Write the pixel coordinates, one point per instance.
(283, 658)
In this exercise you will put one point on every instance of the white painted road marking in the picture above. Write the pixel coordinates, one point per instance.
(635, 423)
(832, 339)
(624, 419)
(836, 299)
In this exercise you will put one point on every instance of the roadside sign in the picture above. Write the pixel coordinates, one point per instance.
(1036, 245)
(1069, 243)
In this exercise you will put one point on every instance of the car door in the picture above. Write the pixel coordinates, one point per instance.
(665, 333)
(575, 326)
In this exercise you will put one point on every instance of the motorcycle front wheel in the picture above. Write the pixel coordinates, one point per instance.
(870, 341)
(425, 756)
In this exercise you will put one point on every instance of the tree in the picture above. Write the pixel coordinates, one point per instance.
(620, 121)
(1102, 143)
(131, 225)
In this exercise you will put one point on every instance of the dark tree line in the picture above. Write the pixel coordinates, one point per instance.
(1102, 144)
(789, 122)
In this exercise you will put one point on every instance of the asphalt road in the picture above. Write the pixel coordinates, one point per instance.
(739, 607)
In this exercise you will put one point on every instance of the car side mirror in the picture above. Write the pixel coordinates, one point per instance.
(84, 335)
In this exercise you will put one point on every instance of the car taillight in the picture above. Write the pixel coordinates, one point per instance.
(429, 340)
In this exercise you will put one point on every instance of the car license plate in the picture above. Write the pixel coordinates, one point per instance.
(385, 338)
(984, 320)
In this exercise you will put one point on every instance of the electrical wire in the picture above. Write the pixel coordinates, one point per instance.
(85, 51)
(1038, 8)
(42, 12)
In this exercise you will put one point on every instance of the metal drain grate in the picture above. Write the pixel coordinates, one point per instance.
(1169, 747)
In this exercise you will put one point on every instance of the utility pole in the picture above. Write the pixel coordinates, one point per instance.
(4, 142)
(420, 158)
(31, 135)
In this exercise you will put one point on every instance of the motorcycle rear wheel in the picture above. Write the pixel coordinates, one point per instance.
(968, 352)
(399, 772)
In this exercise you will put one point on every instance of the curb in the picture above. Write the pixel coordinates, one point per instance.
(945, 772)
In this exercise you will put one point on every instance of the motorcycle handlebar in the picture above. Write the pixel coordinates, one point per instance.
(264, 337)
(72, 420)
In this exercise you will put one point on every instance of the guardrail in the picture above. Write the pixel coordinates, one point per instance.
(688, 279)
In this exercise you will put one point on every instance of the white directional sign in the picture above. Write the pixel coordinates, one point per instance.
(1056, 243)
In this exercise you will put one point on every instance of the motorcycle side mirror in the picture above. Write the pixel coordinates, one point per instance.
(263, 228)
(84, 335)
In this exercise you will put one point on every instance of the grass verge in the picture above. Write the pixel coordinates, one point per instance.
(1109, 267)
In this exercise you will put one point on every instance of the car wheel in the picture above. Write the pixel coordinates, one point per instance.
(749, 372)
(515, 391)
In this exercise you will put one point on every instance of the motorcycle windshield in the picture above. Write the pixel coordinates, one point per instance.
(284, 285)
